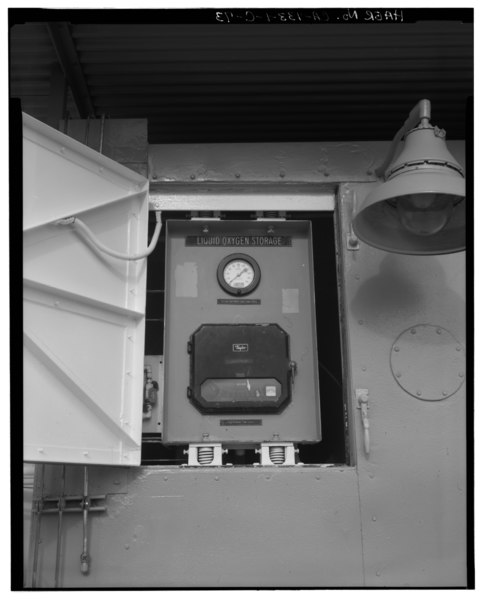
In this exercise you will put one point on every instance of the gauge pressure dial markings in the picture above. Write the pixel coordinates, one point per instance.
(238, 274)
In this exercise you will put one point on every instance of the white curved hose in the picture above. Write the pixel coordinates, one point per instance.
(93, 241)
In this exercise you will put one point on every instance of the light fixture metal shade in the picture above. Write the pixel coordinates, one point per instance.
(424, 171)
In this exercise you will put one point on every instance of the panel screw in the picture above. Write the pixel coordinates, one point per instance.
(237, 175)
(413, 331)
(192, 176)
(373, 518)
(444, 393)
(418, 393)
(216, 478)
(282, 173)
(364, 368)
(398, 374)
(155, 176)
(458, 348)
(361, 322)
(396, 348)
(438, 331)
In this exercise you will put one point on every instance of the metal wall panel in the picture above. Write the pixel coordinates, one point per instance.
(240, 527)
(292, 167)
(122, 140)
(413, 482)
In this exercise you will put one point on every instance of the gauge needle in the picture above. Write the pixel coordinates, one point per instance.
(237, 276)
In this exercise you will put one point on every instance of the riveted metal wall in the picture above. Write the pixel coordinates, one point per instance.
(241, 83)
(397, 517)
(241, 527)
(412, 480)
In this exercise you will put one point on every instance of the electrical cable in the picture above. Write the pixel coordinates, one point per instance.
(94, 242)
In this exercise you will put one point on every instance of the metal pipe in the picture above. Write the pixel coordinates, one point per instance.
(37, 529)
(66, 123)
(88, 124)
(85, 511)
(59, 528)
(101, 140)
(50, 511)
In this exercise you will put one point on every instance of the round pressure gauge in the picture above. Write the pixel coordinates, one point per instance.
(238, 274)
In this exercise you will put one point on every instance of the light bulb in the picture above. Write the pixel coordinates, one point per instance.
(425, 214)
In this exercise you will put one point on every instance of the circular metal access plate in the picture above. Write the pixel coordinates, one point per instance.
(428, 362)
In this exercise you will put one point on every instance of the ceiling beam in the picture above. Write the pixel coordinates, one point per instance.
(64, 46)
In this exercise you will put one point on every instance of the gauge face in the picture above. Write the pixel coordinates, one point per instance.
(238, 274)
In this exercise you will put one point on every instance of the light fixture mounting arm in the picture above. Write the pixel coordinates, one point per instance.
(421, 113)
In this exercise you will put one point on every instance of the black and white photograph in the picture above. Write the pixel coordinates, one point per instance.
(245, 355)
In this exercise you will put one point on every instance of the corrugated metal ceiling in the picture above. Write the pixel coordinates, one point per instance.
(260, 83)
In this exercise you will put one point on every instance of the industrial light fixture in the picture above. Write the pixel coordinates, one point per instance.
(420, 206)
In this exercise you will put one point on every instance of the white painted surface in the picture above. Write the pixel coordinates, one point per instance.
(83, 314)
(218, 197)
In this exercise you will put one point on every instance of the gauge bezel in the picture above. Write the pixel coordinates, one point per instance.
(239, 291)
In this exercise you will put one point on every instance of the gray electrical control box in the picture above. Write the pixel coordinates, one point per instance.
(240, 348)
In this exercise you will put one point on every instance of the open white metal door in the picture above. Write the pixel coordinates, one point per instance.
(83, 313)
